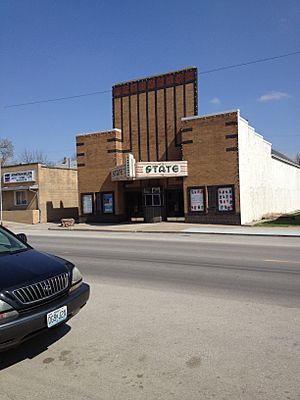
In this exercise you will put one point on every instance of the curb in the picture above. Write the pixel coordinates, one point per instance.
(177, 232)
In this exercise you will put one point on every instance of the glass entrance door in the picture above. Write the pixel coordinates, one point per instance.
(153, 202)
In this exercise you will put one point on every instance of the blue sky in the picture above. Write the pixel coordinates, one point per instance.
(58, 48)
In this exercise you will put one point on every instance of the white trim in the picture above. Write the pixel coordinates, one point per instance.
(14, 188)
(209, 115)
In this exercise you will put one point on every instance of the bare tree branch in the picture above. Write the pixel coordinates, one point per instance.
(6, 150)
(33, 156)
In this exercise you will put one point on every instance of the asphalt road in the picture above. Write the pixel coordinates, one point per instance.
(170, 317)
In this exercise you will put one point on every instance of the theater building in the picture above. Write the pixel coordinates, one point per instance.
(163, 161)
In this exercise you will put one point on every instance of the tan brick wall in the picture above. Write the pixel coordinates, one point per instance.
(212, 160)
(94, 167)
(125, 103)
(161, 125)
(152, 134)
(143, 130)
(189, 93)
(58, 193)
(165, 105)
(22, 216)
(134, 127)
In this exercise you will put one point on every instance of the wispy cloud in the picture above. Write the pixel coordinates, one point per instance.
(273, 95)
(215, 100)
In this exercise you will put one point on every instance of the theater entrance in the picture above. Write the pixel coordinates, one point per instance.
(154, 204)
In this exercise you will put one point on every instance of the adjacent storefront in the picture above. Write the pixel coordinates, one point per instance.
(36, 193)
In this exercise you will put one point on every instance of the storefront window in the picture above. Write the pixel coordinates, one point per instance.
(197, 203)
(20, 198)
(87, 203)
(225, 199)
(108, 203)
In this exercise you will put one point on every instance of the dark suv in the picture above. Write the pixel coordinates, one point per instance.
(37, 291)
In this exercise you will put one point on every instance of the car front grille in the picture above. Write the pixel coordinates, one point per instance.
(42, 290)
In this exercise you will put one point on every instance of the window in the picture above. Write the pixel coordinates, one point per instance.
(108, 203)
(197, 199)
(152, 197)
(9, 243)
(21, 198)
(87, 203)
(225, 199)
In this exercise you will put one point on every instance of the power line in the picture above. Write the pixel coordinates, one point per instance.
(260, 60)
(57, 99)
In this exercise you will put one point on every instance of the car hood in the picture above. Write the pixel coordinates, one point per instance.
(26, 267)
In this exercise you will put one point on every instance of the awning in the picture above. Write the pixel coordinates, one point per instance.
(13, 188)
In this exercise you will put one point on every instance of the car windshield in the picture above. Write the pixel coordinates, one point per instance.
(9, 243)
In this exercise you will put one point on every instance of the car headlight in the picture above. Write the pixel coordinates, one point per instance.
(76, 279)
(7, 312)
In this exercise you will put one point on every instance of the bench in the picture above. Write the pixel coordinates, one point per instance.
(67, 222)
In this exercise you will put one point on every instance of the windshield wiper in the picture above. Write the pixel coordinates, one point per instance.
(13, 251)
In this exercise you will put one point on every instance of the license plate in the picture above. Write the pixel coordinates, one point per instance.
(57, 316)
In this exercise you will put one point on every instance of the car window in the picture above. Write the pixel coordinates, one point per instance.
(10, 244)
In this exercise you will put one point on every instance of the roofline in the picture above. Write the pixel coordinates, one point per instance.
(154, 76)
(42, 166)
(97, 132)
(60, 168)
(285, 160)
(210, 115)
(21, 165)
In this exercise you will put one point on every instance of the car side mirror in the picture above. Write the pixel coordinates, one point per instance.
(22, 237)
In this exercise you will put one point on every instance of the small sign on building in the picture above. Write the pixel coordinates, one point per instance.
(125, 171)
(20, 176)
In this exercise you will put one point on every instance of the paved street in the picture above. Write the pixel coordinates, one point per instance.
(176, 316)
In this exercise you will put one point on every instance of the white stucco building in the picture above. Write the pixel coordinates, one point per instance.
(269, 181)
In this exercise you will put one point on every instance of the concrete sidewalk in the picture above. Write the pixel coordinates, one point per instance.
(163, 227)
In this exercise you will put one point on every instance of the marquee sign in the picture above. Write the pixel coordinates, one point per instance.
(20, 176)
(164, 169)
(133, 170)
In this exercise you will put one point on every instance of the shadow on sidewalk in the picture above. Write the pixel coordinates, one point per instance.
(33, 347)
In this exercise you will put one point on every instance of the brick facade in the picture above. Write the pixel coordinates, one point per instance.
(148, 112)
(155, 119)
(210, 145)
(97, 154)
